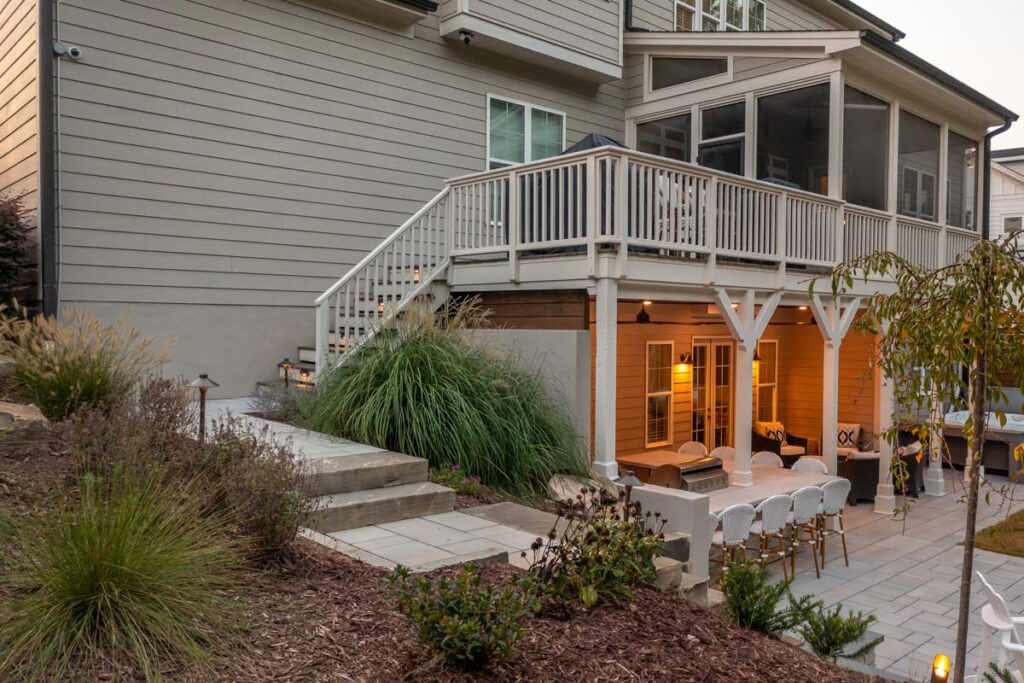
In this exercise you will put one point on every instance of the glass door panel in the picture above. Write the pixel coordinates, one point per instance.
(700, 408)
(712, 393)
(722, 415)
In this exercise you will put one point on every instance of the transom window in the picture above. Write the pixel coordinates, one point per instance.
(720, 15)
(669, 71)
(659, 393)
(518, 132)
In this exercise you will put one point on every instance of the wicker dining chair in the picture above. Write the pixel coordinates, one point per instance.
(834, 496)
(736, 522)
(804, 521)
(724, 453)
(810, 465)
(693, 448)
(774, 517)
(767, 458)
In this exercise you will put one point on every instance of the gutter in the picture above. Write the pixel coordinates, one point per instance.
(47, 220)
(986, 200)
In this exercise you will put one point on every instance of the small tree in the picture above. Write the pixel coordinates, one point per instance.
(14, 231)
(937, 322)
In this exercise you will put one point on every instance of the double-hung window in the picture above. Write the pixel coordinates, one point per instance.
(659, 393)
(766, 400)
(518, 132)
(720, 15)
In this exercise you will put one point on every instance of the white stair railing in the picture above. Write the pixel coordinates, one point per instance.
(380, 286)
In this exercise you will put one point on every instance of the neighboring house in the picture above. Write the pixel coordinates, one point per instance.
(1007, 192)
(210, 167)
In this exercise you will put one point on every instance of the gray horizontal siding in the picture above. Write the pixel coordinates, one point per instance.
(587, 26)
(783, 15)
(248, 152)
(19, 164)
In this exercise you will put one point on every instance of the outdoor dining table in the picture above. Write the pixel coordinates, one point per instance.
(768, 481)
(643, 464)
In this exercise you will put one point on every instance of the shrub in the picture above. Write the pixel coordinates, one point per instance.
(131, 572)
(455, 478)
(600, 556)
(754, 601)
(425, 389)
(996, 674)
(266, 485)
(71, 364)
(470, 625)
(14, 254)
(829, 633)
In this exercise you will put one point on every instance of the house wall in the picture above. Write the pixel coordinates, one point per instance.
(1007, 198)
(799, 378)
(536, 310)
(783, 15)
(19, 166)
(226, 160)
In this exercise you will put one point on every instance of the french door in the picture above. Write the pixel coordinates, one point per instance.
(712, 392)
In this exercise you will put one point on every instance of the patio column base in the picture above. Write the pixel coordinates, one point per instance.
(741, 478)
(607, 469)
(885, 499)
(934, 481)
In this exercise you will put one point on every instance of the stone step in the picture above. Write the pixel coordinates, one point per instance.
(356, 509)
(382, 469)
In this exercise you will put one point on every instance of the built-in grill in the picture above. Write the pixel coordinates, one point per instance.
(695, 473)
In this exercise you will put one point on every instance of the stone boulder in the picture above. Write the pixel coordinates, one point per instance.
(22, 427)
(565, 488)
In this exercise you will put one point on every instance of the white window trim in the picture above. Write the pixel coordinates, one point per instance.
(652, 95)
(920, 177)
(697, 7)
(648, 394)
(528, 129)
(774, 385)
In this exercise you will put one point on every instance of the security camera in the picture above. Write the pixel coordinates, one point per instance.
(466, 36)
(75, 52)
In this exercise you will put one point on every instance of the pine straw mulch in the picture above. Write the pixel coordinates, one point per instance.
(333, 620)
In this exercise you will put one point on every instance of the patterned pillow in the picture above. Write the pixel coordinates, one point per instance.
(775, 431)
(848, 435)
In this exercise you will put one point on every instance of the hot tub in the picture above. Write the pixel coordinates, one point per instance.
(1000, 441)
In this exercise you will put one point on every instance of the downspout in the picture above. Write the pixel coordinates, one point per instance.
(47, 220)
(986, 200)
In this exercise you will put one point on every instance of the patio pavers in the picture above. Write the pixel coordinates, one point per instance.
(908, 576)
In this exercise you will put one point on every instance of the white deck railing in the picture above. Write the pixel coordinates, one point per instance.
(638, 203)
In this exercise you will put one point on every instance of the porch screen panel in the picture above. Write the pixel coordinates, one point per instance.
(792, 138)
(961, 200)
(865, 149)
(668, 137)
(723, 135)
(659, 393)
(918, 167)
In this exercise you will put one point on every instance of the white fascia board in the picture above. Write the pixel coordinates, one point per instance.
(997, 166)
(796, 44)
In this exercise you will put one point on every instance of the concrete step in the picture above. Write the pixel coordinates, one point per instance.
(347, 473)
(356, 509)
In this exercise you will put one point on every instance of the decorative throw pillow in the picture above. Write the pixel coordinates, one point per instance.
(847, 435)
(775, 431)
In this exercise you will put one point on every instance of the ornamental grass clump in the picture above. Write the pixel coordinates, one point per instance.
(130, 576)
(425, 389)
(77, 362)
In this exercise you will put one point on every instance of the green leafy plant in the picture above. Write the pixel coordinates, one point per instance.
(829, 633)
(77, 362)
(267, 486)
(131, 572)
(466, 622)
(754, 601)
(455, 478)
(604, 551)
(995, 674)
(14, 253)
(425, 389)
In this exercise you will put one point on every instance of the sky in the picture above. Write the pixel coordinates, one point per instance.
(980, 42)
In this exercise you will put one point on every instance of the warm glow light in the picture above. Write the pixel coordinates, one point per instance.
(801, 308)
(735, 305)
(940, 668)
(648, 302)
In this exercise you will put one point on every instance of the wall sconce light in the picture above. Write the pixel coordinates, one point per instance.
(643, 316)
(757, 359)
(801, 308)
(940, 668)
(285, 365)
(686, 361)
(416, 274)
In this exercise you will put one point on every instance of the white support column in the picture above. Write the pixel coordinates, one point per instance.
(885, 495)
(746, 328)
(607, 304)
(934, 481)
(834, 322)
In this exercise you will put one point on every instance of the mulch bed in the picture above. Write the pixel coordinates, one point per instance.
(330, 618)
